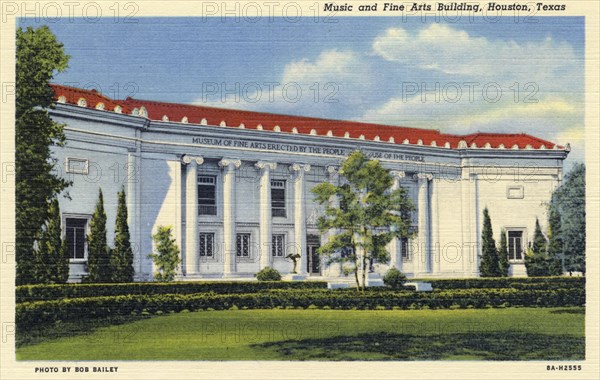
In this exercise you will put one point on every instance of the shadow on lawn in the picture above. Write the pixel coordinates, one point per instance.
(473, 346)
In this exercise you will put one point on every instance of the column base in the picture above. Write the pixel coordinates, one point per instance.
(293, 277)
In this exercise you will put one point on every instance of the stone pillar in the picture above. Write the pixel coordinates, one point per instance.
(266, 230)
(395, 246)
(191, 213)
(435, 247)
(335, 269)
(299, 214)
(420, 258)
(133, 210)
(229, 247)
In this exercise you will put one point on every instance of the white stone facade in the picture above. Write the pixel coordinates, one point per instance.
(231, 234)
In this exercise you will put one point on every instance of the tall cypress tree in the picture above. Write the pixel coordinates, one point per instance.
(52, 257)
(489, 259)
(555, 243)
(98, 253)
(536, 258)
(122, 255)
(38, 57)
(503, 263)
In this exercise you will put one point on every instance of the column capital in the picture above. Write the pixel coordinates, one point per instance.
(187, 159)
(332, 169)
(423, 176)
(232, 163)
(266, 165)
(300, 168)
(397, 174)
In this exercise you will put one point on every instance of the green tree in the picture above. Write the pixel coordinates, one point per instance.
(166, 257)
(569, 201)
(121, 258)
(38, 57)
(99, 267)
(555, 243)
(52, 257)
(489, 265)
(503, 263)
(536, 257)
(368, 217)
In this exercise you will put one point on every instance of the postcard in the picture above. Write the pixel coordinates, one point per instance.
(279, 189)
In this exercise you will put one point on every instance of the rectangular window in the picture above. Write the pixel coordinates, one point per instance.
(278, 198)
(243, 245)
(404, 248)
(515, 245)
(278, 246)
(75, 235)
(207, 200)
(77, 165)
(207, 244)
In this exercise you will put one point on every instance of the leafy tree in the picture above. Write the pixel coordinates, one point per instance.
(99, 267)
(555, 243)
(167, 257)
(536, 257)
(368, 217)
(489, 266)
(121, 259)
(569, 201)
(52, 264)
(503, 263)
(38, 57)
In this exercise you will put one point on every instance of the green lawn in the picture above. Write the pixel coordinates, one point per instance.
(477, 334)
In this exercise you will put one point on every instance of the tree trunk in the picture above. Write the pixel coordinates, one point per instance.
(356, 277)
(364, 272)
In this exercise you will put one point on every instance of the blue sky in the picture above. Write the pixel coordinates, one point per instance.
(370, 69)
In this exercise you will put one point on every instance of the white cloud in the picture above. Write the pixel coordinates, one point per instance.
(455, 52)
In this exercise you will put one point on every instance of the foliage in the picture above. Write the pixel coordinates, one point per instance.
(29, 293)
(569, 202)
(489, 266)
(394, 279)
(536, 256)
(121, 259)
(503, 263)
(367, 216)
(35, 313)
(52, 257)
(268, 274)
(167, 257)
(99, 267)
(555, 243)
(506, 282)
(38, 57)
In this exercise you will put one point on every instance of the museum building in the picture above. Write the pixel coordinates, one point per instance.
(235, 186)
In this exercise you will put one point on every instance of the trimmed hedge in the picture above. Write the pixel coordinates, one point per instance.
(507, 282)
(31, 293)
(40, 312)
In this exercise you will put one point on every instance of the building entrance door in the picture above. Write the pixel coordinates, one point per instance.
(313, 262)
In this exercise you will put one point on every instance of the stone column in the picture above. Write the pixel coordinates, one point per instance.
(133, 211)
(395, 246)
(420, 258)
(266, 230)
(191, 213)
(335, 269)
(299, 214)
(229, 247)
(435, 247)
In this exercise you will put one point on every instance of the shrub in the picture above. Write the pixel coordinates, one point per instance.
(29, 293)
(394, 279)
(268, 274)
(29, 314)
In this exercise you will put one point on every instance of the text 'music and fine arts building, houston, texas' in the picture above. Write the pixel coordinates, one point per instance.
(236, 186)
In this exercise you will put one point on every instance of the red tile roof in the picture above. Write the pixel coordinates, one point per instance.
(194, 114)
